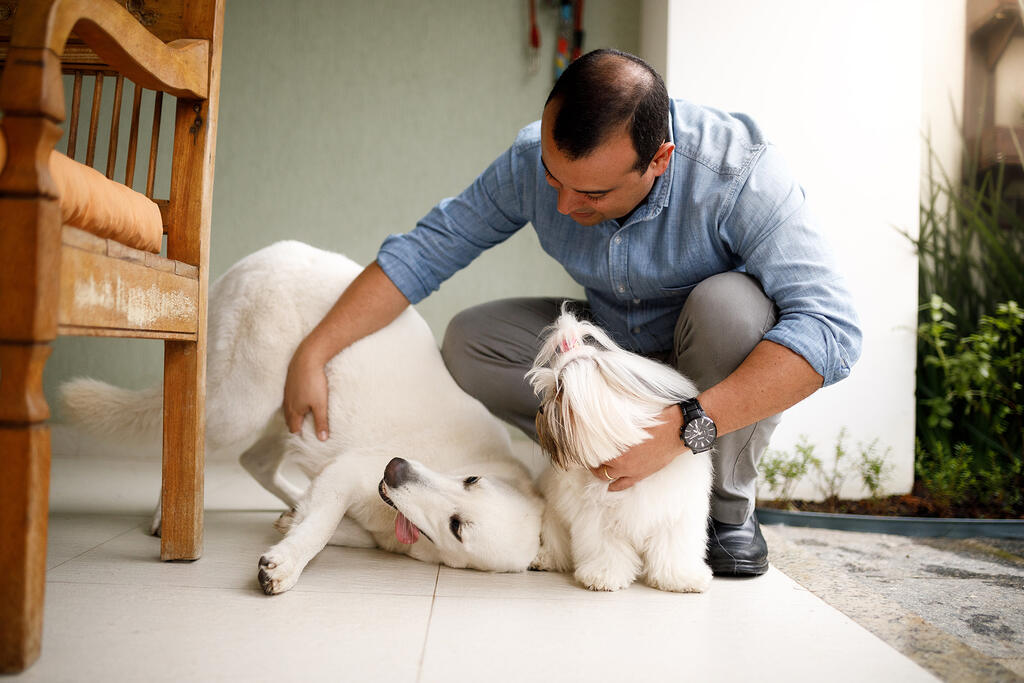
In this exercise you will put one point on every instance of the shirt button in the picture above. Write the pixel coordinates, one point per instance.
(636, 301)
(618, 239)
(621, 288)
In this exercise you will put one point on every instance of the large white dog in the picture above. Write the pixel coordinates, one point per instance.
(467, 502)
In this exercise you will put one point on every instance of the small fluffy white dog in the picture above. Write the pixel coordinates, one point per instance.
(597, 400)
(467, 502)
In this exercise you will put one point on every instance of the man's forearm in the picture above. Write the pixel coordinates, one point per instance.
(368, 304)
(771, 379)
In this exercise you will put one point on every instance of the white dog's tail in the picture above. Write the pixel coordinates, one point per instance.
(111, 412)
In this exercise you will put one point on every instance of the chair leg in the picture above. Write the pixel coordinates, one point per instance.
(24, 503)
(181, 536)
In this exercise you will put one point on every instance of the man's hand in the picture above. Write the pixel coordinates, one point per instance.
(305, 390)
(647, 457)
(368, 304)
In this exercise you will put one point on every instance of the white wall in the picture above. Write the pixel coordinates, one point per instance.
(838, 87)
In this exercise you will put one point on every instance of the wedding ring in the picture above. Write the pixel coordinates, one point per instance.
(606, 475)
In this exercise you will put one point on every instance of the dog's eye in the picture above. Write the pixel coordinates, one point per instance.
(469, 481)
(455, 524)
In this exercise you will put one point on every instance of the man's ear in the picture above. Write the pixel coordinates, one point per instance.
(662, 158)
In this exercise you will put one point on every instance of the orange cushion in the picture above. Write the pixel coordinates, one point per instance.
(92, 202)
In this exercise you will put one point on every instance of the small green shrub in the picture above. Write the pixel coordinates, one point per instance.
(874, 468)
(782, 471)
(829, 481)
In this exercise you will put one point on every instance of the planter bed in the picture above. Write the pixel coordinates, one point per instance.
(903, 526)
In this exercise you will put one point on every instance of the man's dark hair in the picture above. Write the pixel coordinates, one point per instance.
(602, 91)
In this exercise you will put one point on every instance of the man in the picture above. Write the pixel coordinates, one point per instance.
(694, 246)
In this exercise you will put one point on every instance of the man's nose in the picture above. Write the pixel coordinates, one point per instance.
(567, 202)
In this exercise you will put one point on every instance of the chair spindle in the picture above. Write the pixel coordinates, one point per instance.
(76, 99)
(154, 142)
(94, 120)
(133, 138)
(115, 123)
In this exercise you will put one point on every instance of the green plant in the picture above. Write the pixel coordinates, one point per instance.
(874, 468)
(830, 481)
(971, 449)
(782, 471)
(969, 374)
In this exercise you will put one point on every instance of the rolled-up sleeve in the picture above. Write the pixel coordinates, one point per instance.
(770, 229)
(457, 230)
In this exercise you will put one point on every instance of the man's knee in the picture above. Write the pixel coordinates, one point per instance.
(722, 321)
(731, 304)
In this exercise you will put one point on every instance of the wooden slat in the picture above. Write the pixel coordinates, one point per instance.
(80, 239)
(115, 124)
(100, 291)
(82, 331)
(154, 143)
(133, 138)
(94, 118)
(76, 100)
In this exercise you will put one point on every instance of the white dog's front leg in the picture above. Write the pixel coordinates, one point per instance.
(604, 561)
(314, 522)
(675, 557)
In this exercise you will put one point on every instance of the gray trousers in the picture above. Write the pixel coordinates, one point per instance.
(489, 348)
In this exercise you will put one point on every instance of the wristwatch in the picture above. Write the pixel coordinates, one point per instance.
(698, 431)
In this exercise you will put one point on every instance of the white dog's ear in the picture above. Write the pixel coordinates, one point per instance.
(557, 433)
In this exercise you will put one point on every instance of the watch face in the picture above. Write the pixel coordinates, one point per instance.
(699, 434)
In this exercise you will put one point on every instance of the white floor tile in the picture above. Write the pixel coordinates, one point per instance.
(114, 633)
(765, 629)
(233, 544)
(71, 534)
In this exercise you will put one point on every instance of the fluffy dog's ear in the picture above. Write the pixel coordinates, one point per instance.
(555, 431)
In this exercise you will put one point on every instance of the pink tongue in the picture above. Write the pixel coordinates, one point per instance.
(405, 531)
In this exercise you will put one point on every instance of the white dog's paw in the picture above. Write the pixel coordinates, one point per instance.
(548, 560)
(691, 579)
(598, 577)
(278, 571)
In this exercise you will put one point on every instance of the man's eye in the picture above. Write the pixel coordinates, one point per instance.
(455, 524)
(594, 197)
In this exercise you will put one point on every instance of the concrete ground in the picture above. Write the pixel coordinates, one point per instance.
(955, 606)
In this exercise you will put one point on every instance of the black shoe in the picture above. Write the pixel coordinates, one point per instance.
(737, 549)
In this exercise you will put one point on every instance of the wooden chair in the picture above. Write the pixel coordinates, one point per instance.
(173, 47)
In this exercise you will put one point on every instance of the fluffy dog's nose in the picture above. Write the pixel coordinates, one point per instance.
(397, 472)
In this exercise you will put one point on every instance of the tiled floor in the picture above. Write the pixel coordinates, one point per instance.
(115, 613)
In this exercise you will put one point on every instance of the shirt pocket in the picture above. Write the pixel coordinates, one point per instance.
(677, 291)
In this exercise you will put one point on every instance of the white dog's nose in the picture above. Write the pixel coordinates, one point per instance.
(397, 472)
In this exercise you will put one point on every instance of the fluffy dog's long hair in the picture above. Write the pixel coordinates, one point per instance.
(597, 399)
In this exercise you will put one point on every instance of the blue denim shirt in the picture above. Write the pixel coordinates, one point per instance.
(727, 202)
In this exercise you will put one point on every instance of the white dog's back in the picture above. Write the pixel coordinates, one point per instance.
(259, 312)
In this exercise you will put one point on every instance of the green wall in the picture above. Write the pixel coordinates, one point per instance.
(342, 122)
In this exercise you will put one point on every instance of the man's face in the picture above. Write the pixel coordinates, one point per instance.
(602, 185)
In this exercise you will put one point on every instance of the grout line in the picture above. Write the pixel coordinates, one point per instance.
(84, 552)
(426, 635)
